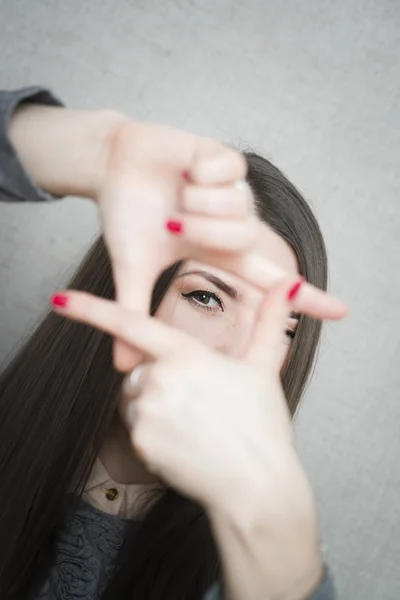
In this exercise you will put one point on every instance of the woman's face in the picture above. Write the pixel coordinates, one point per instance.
(220, 309)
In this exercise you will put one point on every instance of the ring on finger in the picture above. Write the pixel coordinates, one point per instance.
(130, 412)
(243, 186)
(132, 384)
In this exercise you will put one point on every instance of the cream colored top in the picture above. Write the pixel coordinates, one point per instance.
(123, 500)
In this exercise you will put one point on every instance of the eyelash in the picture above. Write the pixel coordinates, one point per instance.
(190, 297)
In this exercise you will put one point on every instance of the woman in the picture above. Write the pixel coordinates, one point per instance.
(57, 441)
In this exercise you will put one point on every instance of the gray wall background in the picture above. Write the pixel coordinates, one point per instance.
(313, 84)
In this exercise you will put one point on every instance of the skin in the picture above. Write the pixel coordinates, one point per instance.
(105, 156)
(226, 328)
(243, 467)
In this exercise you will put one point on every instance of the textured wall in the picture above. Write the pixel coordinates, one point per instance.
(316, 86)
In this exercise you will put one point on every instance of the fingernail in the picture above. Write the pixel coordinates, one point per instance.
(174, 226)
(294, 290)
(59, 300)
(186, 176)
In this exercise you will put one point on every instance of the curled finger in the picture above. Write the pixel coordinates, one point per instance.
(214, 163)
(222, 235)
(230, 201)
(153, 338)
(265, 274)
(265, 346)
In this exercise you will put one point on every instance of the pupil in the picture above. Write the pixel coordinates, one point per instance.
(204, 298)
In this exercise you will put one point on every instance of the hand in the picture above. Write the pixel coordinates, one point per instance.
(206, 435)
(219, 430)
(154, 173)
(135, 171)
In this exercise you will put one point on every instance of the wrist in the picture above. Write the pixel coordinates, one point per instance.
(258, 481)
(271, 527)
(64, 151)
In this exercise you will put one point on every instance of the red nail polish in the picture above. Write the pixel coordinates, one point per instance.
(186, 176)
(175, 227)
(59, 300)
(294, 290)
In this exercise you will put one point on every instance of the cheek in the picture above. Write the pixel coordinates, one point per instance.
(283, 353)
(214, 331)
(204, 328)
(229, 333)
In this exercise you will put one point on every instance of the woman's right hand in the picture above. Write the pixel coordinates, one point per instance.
(141, 175)
(218, 430)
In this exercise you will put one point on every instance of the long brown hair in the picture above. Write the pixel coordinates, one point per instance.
(57, 399)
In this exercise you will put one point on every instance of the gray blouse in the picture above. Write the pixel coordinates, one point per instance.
(88, 546)
(87, 550)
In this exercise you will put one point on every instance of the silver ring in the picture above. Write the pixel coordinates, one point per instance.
(134, 380)
(241, 185)
(132, 388)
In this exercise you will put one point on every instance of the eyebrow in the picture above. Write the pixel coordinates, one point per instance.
(219, 283)
(224, 287)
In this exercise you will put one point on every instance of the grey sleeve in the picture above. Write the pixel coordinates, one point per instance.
(15, 183)
(325, 591)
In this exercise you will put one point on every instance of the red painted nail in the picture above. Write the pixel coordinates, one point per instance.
(294, 290)
(186, 176)
(175, 227)
(60, 300)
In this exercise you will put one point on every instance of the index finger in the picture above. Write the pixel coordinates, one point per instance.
(147, 334)
(265, 274)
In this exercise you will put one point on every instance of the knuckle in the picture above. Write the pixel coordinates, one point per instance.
(224, 201)
(121, 140)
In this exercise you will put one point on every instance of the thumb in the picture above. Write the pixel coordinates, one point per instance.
(131, 231)
(271, 324)
(133, 291)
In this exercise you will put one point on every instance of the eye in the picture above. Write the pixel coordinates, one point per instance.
(204, 299)
(292, 328)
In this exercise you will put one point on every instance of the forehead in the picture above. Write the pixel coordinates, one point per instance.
(270, 246)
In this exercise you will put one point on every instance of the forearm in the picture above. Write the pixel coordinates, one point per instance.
(269, 548)
(64, 151)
